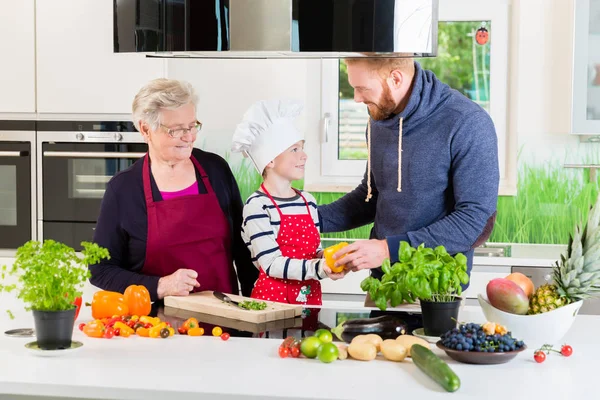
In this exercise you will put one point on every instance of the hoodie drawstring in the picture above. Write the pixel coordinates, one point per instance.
(399, 187)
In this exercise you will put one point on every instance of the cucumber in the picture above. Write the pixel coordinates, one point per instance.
(434, 367)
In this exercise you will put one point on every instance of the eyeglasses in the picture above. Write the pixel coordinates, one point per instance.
(176, 133)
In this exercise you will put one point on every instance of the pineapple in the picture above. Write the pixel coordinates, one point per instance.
(577, 276)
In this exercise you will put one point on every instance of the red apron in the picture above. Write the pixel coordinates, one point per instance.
(298, 238)
(189, 232)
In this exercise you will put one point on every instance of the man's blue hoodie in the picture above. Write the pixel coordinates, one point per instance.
(449, 175)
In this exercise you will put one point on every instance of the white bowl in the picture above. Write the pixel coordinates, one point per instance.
(535, 330)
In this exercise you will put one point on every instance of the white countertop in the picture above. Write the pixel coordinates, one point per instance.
(206, 367)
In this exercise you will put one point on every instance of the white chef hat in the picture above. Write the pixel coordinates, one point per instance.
(267, 130)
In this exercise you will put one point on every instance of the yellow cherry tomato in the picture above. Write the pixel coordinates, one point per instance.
(217, 331)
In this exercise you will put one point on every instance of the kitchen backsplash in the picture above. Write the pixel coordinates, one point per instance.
(550, 199)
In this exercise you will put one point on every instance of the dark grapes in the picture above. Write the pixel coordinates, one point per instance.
(471, 337)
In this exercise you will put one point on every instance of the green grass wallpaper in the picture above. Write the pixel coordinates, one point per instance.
(550, 200)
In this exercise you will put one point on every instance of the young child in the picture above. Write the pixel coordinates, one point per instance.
(281, 223)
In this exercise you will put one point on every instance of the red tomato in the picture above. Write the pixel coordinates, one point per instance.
(81, 326)
(182, 330)
(539, 356)
(117, 332)
(295, 352)
(225, 336)
(148, 325)
(284, 352)
(109, 333)
(566, 350)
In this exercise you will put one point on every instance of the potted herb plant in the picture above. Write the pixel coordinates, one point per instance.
(432, 276)
(49, 279)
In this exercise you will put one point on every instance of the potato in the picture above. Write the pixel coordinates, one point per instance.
(408, 340)
(363, 351)
(342, 351)
(392, 350)
(370, 338)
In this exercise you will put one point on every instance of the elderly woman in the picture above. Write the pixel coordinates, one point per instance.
(172, 220)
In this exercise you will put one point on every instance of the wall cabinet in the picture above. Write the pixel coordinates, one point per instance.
(17, 49)
(585, 111)
(77, 71)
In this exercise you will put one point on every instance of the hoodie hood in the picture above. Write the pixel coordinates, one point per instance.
(427, 96)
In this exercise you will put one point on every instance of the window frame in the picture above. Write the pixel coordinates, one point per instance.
(333, 175)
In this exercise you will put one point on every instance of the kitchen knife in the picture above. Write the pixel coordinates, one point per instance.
(223, 297)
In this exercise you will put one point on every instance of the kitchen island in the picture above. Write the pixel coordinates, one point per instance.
(206, 367)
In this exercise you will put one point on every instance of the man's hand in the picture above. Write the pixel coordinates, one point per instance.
(179, 283)
(363, 254)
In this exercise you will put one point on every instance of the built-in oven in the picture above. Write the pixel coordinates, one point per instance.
(75, 162)
(17, 184)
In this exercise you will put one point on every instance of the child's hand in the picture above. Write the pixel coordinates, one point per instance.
(334, 276)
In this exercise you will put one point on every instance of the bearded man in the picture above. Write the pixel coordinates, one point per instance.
(432, 172)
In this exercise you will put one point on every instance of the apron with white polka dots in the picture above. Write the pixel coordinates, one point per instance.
(298, 238)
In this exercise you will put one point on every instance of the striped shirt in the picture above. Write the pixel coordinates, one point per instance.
(261, 227)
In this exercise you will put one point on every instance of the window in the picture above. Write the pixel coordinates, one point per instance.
(472, 58)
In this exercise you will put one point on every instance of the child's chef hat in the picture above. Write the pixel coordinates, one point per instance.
(267, 130)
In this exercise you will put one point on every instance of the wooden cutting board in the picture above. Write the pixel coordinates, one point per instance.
(206, 303)
(245, 326)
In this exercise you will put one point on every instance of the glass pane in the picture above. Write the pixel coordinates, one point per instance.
(593, 95)
(352, 119)
(463, 62)
(88, 177)
(8, 195)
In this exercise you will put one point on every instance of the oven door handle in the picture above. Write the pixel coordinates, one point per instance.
(14, 153)
(85, 154)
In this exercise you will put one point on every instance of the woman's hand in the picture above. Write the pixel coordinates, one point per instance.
(179, 283)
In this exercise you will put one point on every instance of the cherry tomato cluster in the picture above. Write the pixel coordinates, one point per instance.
(126, 326)
(290, 347)
(540, 354)
(191, 327)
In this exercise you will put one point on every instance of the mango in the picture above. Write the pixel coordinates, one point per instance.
(507, 296)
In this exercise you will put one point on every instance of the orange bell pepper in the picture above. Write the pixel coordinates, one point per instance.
(328, 255)
(190, 323)
(137, 298)
(106, 304)
(94, 329)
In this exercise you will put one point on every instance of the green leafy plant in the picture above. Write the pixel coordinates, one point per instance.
(50, 275)
(422, 273)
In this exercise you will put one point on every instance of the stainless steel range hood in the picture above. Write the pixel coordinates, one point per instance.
(276, 28)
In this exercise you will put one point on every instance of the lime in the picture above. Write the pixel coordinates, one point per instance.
(328, 352)
(310, 345)
(324, 335)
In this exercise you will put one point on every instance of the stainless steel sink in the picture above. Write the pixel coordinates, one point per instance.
(492, 251)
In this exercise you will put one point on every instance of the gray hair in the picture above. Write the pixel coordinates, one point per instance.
(159, 94)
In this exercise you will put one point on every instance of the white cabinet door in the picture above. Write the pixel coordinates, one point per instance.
(17, 51)
(77, 71)
(481, 275)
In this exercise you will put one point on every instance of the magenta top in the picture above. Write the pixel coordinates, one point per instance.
(184, 192)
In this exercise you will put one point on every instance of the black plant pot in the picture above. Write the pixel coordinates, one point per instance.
(438, 318)
(54, 329)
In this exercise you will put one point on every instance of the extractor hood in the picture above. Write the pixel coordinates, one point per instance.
(276, 28)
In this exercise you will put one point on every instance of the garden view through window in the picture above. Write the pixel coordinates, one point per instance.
(463, 62)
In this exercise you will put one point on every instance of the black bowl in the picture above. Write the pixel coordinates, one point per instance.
(476, 357)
